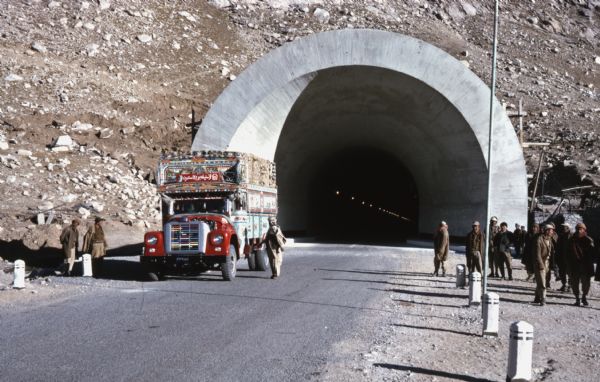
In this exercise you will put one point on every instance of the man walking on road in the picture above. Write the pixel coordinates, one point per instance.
(581, 263)
(441, 243)
(69, 238)
(94, 242)
(275, 241)
(502, 243)
(541, 262)
(475, 247)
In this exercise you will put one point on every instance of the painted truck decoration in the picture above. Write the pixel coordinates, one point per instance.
(215, 208)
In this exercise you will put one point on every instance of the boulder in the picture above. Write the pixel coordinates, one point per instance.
(39, 47)
(144, 38)
(321, 15)
(63, 140)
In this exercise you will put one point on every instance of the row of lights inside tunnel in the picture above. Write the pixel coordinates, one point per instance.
(370, 205)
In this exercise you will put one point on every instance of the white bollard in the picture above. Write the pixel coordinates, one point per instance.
(520, 352)
(460, 276)
(491, 312)
(87, 265)
(474, 288)
(19, 281)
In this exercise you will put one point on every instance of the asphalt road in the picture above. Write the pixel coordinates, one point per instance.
(202, 328)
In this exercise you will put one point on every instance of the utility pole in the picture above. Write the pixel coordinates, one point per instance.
(489, 157)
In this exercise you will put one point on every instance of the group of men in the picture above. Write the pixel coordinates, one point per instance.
(571, 255)
(94, 242)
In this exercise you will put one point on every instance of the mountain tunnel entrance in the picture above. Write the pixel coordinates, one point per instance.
(391, 119)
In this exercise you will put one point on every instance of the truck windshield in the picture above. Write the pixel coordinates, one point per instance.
(219, 206)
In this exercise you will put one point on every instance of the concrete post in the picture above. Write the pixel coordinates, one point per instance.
(474, 288)
(491, 312)
(87, 265)
(19, 280)
(460, 276)
(520, 352)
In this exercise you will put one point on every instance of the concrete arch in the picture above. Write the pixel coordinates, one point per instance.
(419, 103)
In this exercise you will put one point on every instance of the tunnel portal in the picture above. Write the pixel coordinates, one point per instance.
(391, 119)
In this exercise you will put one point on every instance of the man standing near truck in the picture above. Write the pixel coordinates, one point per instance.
(275, 241)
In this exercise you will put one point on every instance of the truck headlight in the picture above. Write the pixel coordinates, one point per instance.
(152, 240)
(217, 239)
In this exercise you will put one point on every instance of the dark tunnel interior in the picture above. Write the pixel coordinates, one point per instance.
(367, 195)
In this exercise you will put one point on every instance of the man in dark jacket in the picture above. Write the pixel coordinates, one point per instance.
(519, 237)
(562, 252)
(529, 250)
(475, 248)
(69, 238)
(580, 262)
(502, 242)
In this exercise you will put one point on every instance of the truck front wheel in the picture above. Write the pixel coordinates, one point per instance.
(228, 268)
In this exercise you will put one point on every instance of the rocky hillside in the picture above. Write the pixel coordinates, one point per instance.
(92, 91)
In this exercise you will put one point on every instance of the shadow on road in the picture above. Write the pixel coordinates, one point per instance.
(377, 272)
(428, 294)
(43, 257)
(435, 373)
(437, 330)
(409, 303)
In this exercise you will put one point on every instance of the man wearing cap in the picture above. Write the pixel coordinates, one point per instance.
(69, 238)
(94, 242)
(493, 230)
(544, 250)
(441, 243)
(580, 261)
(562, 252)
(275, 241)
(475, 247)
(502, 242)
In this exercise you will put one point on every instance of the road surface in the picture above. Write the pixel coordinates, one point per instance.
(202, 328)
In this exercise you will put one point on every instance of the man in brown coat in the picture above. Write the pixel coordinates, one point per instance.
(441, 243)
(275, 241)
(69, 238)
(475, 248)
(580, 262)
(544, 250)
(94, 242)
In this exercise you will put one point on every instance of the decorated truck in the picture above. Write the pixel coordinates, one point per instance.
(215, 209)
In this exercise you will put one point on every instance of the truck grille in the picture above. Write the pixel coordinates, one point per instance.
(186, 238)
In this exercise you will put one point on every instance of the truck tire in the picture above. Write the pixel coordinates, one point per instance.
(153, 276)
(252, 260)
(228, 268)
(262, 260)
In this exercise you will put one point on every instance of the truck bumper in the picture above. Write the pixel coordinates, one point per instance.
(162, 263)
